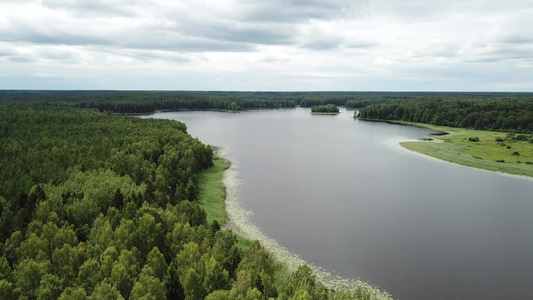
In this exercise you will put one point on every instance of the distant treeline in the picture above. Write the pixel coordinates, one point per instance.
(499, 112)
(150, 101)
(488, 111)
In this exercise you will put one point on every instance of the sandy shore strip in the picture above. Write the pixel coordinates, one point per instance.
(240, 222)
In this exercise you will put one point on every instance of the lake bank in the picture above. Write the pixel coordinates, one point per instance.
(212, 192)
(456, 146)
(231, 215)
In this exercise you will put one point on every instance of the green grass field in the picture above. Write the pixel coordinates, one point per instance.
(212, 196)
(507, 156)
(212, 192)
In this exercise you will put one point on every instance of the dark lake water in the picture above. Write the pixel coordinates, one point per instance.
(344, 196)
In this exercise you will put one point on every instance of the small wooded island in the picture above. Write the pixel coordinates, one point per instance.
(328, 109)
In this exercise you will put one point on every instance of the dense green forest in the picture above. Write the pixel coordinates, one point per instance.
(146, 102)
(150, 101)
(484, 112)
(488, 111)
(99, 206)
(328, 108)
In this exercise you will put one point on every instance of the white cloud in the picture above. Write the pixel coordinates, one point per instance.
(271, 45)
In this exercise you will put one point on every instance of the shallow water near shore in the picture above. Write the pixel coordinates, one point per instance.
(342, 195)
(240, 222)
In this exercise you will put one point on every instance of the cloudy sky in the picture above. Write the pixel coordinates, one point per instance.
(357, 45)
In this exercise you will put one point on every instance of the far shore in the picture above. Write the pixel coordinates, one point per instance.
(451, 144)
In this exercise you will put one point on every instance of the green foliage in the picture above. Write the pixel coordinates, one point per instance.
(5, 270)
(303, 285)
(156, 265)
(28, 274)
(328, 108)
(73, 294)
(496, 111)
(473, 139)
(50, 288)
(148, 287)
(6, 290)
(146, 102)
(193, 290)
(212, 191)
(521, 137)
(216, 277)
(104, 290)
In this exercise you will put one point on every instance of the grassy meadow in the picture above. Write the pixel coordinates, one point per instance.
(212, 192)
(488, 150)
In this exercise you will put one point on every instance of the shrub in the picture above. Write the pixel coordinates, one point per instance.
(500, 160)
(521, 137)
(473, 139)
(529, 162)
(516, 153)
(508, 147)
(499, 140)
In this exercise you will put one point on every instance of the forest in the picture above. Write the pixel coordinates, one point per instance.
(150, 101)
(487, 111)
(95, 205)
(328, 109)
(498, 112)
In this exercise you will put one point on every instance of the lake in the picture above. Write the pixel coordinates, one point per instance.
(343, 195)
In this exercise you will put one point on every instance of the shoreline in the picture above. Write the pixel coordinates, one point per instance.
(440, 137)
(240, 222)
(438, 132)
(401, 147)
